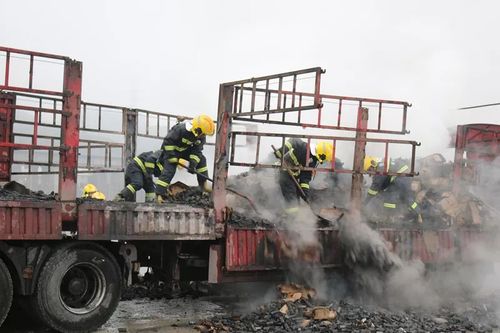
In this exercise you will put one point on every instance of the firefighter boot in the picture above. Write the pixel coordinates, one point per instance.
(118, 198)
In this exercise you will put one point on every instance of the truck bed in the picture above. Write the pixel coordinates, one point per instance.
(140, 221)
(25, 220)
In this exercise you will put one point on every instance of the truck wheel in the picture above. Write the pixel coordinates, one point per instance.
(5, 291)
(78, 288)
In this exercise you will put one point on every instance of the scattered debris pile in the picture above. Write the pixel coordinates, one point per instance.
(298, 310)
(434, 193)
(15, 191)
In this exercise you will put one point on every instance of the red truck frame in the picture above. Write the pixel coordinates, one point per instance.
(107, 240)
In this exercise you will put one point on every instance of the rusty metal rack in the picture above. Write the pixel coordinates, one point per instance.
(255, 101)
(43, 114)
(287, 101)
(334, 139)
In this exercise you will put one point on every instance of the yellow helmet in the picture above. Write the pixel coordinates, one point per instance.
(98, 196)
(88, 190)
(203, 124)
(324, 151)
(370, 162)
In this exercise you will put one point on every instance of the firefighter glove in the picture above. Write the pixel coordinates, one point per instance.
(159, 199)
(192, 166)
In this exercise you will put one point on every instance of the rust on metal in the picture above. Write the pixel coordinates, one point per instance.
(131, 221)
(25, 220)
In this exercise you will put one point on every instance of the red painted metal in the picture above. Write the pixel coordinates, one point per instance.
(130, 221)
(260, 249)
(70, 134)
(25, 220)
(224, 123)
(33, 56)
(6, 124)
(474, 142)
(359, 155)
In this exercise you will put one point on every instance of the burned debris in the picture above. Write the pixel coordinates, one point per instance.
(16, 191)
(297, 309)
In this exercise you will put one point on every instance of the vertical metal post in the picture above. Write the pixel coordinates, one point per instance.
(6, 126)
(359, 155)
(222, 141)
(458, 164)
(130, 131)
(70, 136)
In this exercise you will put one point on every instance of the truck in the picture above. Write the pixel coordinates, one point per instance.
(69, 259)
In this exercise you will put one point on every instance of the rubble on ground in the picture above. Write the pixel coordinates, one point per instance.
(296, 312)
(16, 191)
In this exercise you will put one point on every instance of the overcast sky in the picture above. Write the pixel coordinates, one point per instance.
(170, 56)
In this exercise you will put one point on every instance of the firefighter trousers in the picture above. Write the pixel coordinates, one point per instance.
(135, 180)
(290, 192)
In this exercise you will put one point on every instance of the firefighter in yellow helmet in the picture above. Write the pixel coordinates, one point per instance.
(185, 140)
(390, 198)
(295, 157)
(89, 190)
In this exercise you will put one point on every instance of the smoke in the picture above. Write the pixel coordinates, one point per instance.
(467, 279)
(300, 245)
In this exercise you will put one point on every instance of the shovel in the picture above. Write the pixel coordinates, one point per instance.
(303, 195)
(228, 189)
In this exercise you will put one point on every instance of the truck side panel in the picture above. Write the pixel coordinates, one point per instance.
(137, 221)
(250, 249)
(30, 220)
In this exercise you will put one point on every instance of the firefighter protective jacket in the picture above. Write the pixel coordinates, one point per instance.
(393, 190)
(182, 142)
(295, 151)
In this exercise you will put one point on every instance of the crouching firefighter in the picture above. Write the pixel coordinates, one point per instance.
(139, 175)
(390, 197)
(294, 182)
(185, 141)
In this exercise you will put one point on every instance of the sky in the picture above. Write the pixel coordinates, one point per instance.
(170, 56)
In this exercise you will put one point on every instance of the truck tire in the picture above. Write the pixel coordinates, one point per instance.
(5, 291)
(78, 289)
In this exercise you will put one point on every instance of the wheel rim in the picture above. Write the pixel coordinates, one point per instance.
(82, 288)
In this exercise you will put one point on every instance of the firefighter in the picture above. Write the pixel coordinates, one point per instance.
(139, 175)
(185, 141)
(295, 151)
(90, 192)
(390, 197)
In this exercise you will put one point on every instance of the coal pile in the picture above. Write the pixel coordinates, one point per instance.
(240, 220)
(304, 314)
(16, 191)
(193, 196)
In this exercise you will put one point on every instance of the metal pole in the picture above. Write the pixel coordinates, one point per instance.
(359, 155)
(70, 137)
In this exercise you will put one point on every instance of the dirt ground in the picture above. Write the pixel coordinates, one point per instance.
(175, 315)
(141, 315)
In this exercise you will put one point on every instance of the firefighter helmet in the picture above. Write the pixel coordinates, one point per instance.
(203, 124)
(324, 151)
(89, 190)
(98, 196)
(370, 162)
